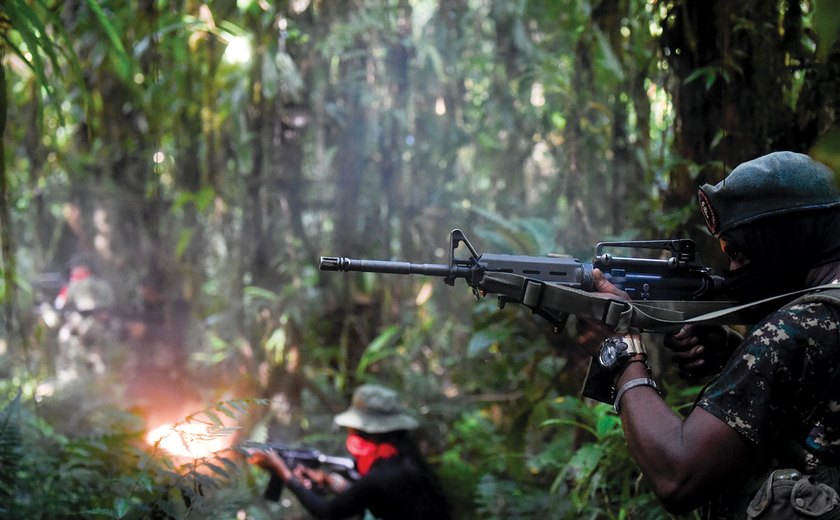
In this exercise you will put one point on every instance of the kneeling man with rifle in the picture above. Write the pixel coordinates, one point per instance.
(395, 482)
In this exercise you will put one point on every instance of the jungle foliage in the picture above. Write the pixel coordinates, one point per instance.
(221, 147)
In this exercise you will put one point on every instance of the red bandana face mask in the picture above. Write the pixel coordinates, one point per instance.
(367, 452)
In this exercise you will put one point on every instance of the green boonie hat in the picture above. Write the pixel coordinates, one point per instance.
(375, 409)
(777, 183)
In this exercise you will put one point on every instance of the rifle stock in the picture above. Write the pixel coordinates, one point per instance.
(664, 292)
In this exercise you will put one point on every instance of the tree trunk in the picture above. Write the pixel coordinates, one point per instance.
(734, 65)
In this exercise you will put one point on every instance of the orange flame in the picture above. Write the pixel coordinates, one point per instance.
(187, 440)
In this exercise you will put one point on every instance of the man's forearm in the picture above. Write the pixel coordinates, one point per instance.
(674, 453)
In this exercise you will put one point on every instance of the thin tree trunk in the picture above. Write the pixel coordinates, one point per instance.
(7, 242)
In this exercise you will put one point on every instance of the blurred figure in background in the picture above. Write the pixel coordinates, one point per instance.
(88, 332)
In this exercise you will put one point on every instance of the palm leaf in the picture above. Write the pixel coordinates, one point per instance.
(122, 62)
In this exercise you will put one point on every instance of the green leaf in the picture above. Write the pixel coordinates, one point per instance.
(826, 25)
(204, 198)
(608, 423)
(225, 410)
(586, 460)
(260, 293)
(217, 470)
(184, 239)
(378, 349)
(122, 62)
(483, 339)
(611, 61)
(276, 343)
(214, 418)
(121, 507)
(32, 31)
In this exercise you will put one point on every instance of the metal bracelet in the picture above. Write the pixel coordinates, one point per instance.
(642, 381)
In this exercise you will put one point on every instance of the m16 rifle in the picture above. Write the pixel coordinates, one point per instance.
(664, 292)
(307, 457)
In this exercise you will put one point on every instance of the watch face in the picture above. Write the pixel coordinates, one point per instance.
(611, 352)
(608, 356)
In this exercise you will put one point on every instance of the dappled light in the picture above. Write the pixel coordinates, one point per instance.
(171, 175)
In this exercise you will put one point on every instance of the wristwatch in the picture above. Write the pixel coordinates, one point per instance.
(616, 350)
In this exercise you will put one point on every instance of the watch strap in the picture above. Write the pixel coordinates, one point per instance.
(634, 343)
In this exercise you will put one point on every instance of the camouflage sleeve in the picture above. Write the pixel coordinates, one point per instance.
(780, 371)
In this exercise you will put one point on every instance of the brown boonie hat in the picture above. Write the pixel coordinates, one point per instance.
(375, 409)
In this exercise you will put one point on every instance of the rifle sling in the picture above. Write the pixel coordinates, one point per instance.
(556, 300)
(728, 313)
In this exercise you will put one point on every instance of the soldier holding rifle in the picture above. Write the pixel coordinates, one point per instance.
(395, 480)
(763, 440)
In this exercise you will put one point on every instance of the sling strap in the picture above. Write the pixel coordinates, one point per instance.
(555, 302)
(829, 296)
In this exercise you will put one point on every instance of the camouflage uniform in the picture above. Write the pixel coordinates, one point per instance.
(780, 390)
(778, 219)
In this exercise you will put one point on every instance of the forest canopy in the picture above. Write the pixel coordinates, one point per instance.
(195, 159)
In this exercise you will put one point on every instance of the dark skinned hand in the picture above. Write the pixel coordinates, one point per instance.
(591, 333)
(701, 350)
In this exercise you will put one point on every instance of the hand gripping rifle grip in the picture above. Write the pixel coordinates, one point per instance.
(274, 488)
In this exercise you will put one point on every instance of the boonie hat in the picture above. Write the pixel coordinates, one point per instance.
(375, 409)
(776, 183)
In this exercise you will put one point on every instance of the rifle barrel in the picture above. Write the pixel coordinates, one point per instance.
(340, 263)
